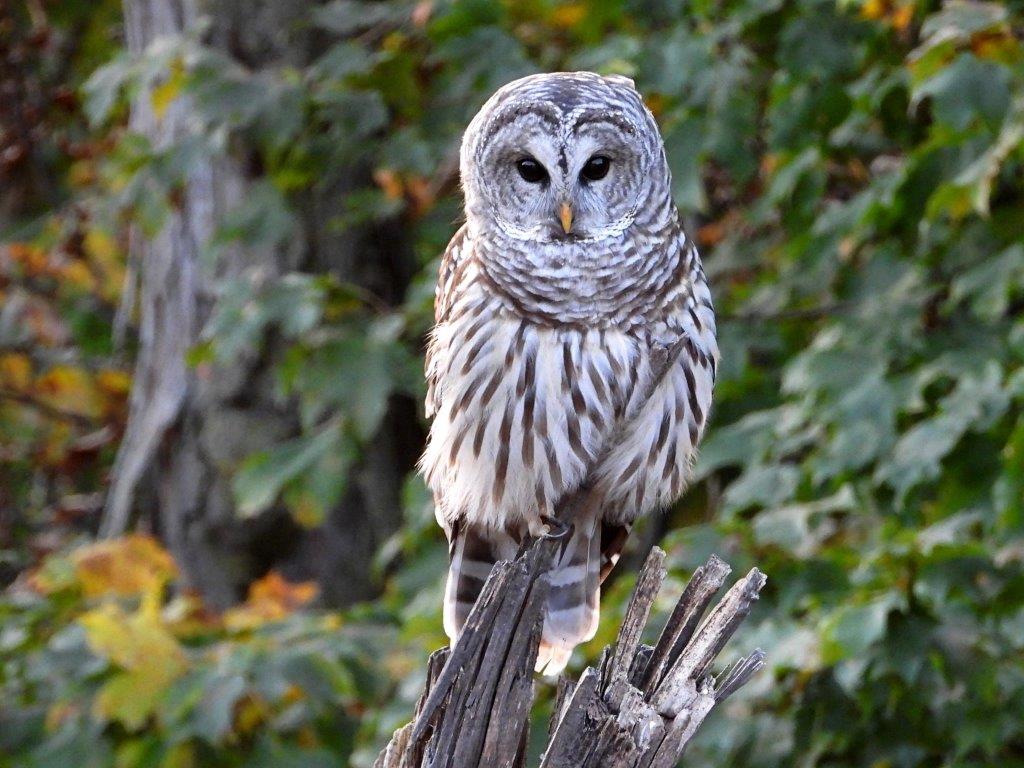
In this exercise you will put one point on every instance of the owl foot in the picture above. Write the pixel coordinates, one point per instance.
(554, 528)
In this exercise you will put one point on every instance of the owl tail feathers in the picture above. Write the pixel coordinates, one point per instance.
(571, 610)
(574, 599)
(473, 551)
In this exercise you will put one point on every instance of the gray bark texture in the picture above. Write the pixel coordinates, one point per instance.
(187, 432)
(639, 708)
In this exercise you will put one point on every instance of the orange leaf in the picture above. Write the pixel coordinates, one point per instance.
(874, 9)
(77, 274)
(15, 370)
(902, 17)
(116, 384)
(566, 16)
(31, 258)
(135, 565)
(275, 588)
(420, 194)
(390, 182)
(270, 599)
(656, 103)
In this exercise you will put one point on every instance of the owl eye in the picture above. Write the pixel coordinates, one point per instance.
(531, 171)
(596, 168)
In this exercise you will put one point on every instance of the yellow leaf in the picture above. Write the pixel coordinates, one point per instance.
(128, 698)
(82, 173)
(77, 274)
(897, 14)
(165, 93)
(656, 103)
(567, 16)
(997, 45)
(100, 245)
(69, 389)
(136, 641)
(115, 383)
(901, 17)
(129, 566)
(56, 440)
(180, 756)
(874, 9)
(150, 657)
(33, 259)
(252, 713)
(394, 42)
(15, 370)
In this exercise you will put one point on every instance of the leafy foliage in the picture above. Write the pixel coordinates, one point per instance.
(63, 384)
(98, 666)
(853, 174)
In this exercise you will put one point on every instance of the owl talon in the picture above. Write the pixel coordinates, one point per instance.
(555, 528)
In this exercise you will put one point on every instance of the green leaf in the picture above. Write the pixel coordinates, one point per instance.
(959, 20)
(263, 475)
(967, 91)
(851, 630)
(346, 17)
(683, 146)
(214, 713)
(355, 373)
(103, 88)
(990, 284)
(762, 485)
(802, 528)
(977, 401)
(736, 444)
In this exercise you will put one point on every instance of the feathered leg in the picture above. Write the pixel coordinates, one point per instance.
(573, 604)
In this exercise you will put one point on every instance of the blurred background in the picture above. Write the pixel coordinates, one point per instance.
(220, 225)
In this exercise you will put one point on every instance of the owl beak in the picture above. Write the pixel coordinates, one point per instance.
(565, 216)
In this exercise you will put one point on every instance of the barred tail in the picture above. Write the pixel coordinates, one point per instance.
(473, 551)
(572, 610)
(573, 605)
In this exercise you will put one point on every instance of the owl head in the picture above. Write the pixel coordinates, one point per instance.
(565, 156)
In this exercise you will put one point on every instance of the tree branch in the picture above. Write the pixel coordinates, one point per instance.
(638, 709)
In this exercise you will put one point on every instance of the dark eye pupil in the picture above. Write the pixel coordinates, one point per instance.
(531, 170)
(596, 168)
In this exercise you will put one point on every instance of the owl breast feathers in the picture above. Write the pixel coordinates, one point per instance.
(554, 301)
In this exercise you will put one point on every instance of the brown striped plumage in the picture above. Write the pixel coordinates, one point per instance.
(541, 367)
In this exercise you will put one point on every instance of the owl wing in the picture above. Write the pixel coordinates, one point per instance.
(448, 279)
(689, 316)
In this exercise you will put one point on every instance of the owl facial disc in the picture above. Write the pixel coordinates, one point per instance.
(563, 158)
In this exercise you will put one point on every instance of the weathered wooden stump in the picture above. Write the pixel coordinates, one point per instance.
(639, 708)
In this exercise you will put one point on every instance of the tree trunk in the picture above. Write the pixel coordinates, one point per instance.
(187, 432)
(639, 708)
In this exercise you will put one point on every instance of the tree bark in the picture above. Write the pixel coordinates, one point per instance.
(639, 708)
(188, 432)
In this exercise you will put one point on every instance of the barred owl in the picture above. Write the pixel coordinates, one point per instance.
(571, 269)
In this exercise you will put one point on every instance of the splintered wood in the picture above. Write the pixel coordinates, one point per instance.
(638, 708)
